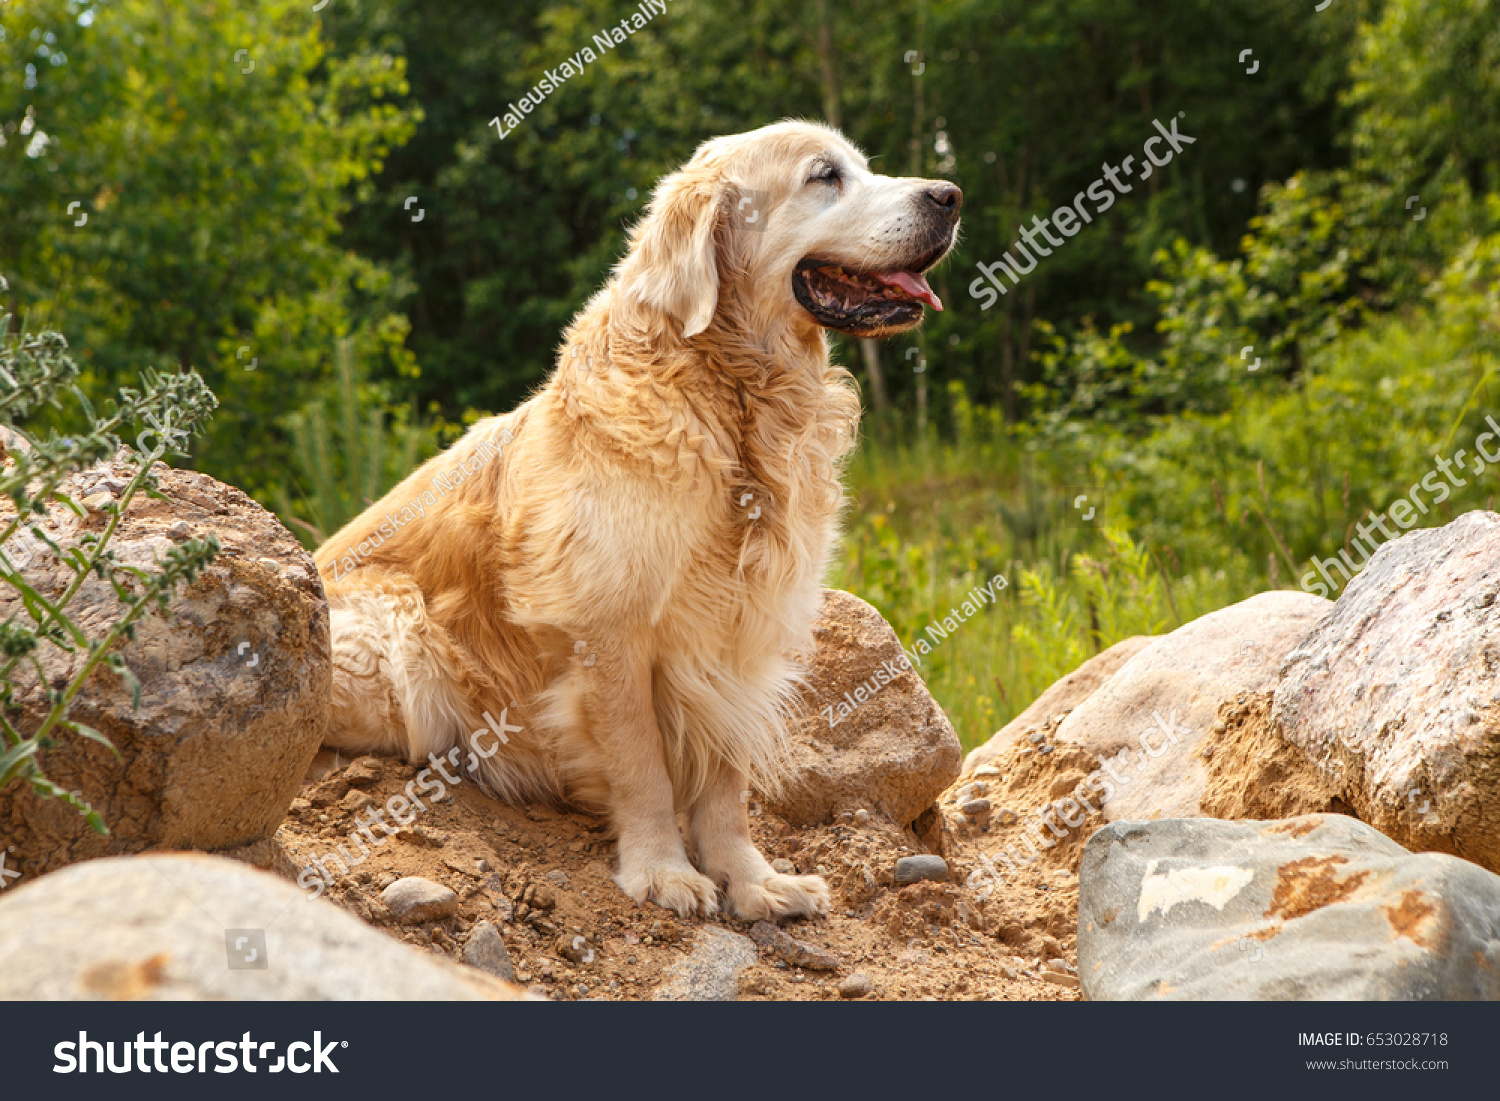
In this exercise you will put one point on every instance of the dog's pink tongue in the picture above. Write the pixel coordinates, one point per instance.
(913, 284)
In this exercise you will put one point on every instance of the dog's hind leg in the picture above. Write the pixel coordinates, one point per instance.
(397, 684)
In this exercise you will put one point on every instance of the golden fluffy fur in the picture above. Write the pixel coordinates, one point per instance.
(616, 573)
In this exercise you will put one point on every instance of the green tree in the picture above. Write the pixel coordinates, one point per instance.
(213, 149)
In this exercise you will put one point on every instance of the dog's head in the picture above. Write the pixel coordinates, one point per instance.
(788, 223)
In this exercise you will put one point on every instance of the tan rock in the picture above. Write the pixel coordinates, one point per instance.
(1152, 719)
(177, 926)
(889, 748)
(1395, 697)
(234, 688)
(1064, 695)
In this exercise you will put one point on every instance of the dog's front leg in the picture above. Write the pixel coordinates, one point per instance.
(653, 861)
(720, 824)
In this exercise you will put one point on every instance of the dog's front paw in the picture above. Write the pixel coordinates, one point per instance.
(779, 896)
(680, 889)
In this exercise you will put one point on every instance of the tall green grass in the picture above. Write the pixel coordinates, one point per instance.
(938, 512)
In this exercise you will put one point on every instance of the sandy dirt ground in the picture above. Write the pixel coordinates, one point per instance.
(542, 877)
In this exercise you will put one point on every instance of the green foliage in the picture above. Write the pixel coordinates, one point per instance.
(35, 372)
(213, 198)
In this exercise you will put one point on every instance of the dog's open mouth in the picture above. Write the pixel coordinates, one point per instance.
(862, 303)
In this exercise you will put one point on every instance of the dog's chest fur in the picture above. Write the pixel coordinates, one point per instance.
(741, 494)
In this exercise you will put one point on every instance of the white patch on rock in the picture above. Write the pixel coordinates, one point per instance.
(1215, 886)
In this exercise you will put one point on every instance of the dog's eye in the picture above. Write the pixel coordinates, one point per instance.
(825, 173)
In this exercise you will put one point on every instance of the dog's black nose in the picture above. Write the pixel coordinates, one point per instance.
(947, 199)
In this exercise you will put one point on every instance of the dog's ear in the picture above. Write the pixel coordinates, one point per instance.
(672, 260)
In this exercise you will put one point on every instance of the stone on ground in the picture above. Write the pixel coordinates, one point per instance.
(711, 971)
(1153, 717)
(871, 736)
(1320, 907)
(234, 686)
(1395, 696)
(169, 927)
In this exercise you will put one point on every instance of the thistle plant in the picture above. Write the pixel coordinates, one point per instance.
(36, 374)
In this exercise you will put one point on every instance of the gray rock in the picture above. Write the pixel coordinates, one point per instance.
(485, 949)
(414, 900)
(915, 869)
(234, 688)
(892, 751)
(857, 985)
(965, 792)
(1152, 717)
(1395, 697)
(167, 927)
(1064, 695)
(1312, 908)
(795, 952)
(710, 973)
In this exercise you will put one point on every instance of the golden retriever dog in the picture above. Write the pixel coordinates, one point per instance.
(597, 599)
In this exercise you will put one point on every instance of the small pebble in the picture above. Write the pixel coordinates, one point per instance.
(1036, 737)
(179, 531)
(1044, 750)
(976, 808)
(485, 949)
(363, 771)
(988, 770)
(861, 817)
(915, 869)
(782, 866)
(1058, 978)
(414, 900)
(969, 791)
(856, 985)
(793, 951)
(1008, 818)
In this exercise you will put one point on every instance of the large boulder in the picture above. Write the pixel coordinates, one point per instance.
(1153, 718)
(174, 927)
(1316, 907)
(870, 736)
(234, 684)
(1395, 696)
(1062, 697)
